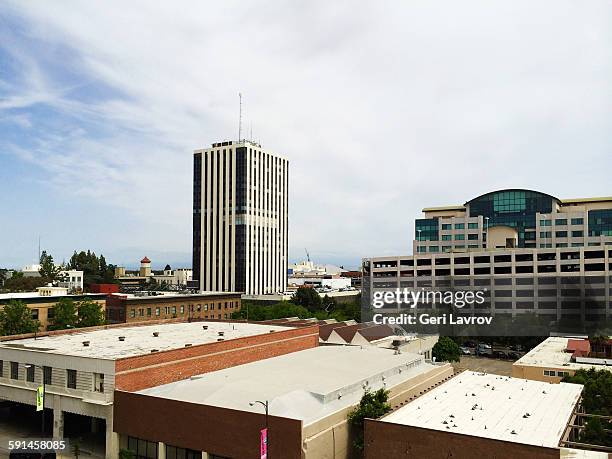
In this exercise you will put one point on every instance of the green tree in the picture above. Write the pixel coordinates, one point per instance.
(95, 269)
(308, 298)
(64, 315)
(16, 318)
(372, 405)
(19, 283)
(596, 399)
(90, 314)
(48, 269)
(126, 454)
(278, 310)
(446, 350)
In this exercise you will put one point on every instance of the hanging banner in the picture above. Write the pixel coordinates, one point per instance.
(40, 398)
(263, 443)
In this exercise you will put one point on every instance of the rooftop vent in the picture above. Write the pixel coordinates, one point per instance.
(156, 334)
(205, 327)
(188, 345)
(122, 338)
(86, 343)
(221, 333)
(272, 331)
(154, 350)
(220, 339)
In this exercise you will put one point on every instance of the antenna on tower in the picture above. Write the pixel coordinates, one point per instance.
(240, 118)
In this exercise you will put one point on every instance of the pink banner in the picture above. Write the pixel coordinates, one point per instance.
(263, 443)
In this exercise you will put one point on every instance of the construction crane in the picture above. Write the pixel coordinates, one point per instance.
(307, 255)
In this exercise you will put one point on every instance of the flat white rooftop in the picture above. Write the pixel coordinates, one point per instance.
(550, 353)
(139, 340)
(172, 295)
(497, 407)
(30, 295)
(307, 385)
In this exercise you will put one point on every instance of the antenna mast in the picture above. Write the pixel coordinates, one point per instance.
(240, 118)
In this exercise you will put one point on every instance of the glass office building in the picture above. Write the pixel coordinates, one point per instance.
(515, 218)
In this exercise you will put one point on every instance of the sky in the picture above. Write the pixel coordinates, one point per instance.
(381, 107)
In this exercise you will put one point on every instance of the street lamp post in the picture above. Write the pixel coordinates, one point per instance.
(44, 395)
(266, 405)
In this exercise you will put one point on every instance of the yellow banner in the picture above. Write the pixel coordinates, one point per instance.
(40, 398)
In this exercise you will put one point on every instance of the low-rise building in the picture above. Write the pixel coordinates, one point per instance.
(42, 302)
(483, 414)
(557, 357)
(82, 369)
(309, 394)
(71, 279)
(137, 307)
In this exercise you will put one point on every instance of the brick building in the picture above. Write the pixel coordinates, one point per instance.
(144, 306)
(43, 301)
(84, 368)
(309, 395)
(485, 414)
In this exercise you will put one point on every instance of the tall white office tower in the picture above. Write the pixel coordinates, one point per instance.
(240, 218)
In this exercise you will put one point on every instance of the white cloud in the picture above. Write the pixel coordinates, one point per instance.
(382, 107)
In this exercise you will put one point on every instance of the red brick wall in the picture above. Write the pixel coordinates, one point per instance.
(384, 439)
(136, 373)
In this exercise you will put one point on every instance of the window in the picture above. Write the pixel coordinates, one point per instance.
(560, 233)
(447, 237)
(472, 225)
(141, 312)
(30, 373)
(459, 225)
(14, 370)
(473, 237)
(71, 378)
(35, 314)
(182, 309)
(577, 233)
(561, 221)
(174, 310)
(1, 368)
(149, 312)
(206, 307)
(173, 452)
(562, 374)
(132, 313)
(143, 449)
(420, 249)
(47, 374)
(545, 234)
(447, 226)
(459, 237)
(446, 248)
(157, 311)
(549, 373)
(99, 382)
(577, 221)
(433, 248)
(50, 313)
(545, 222)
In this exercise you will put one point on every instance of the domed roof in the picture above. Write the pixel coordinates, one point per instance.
(145, 260)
